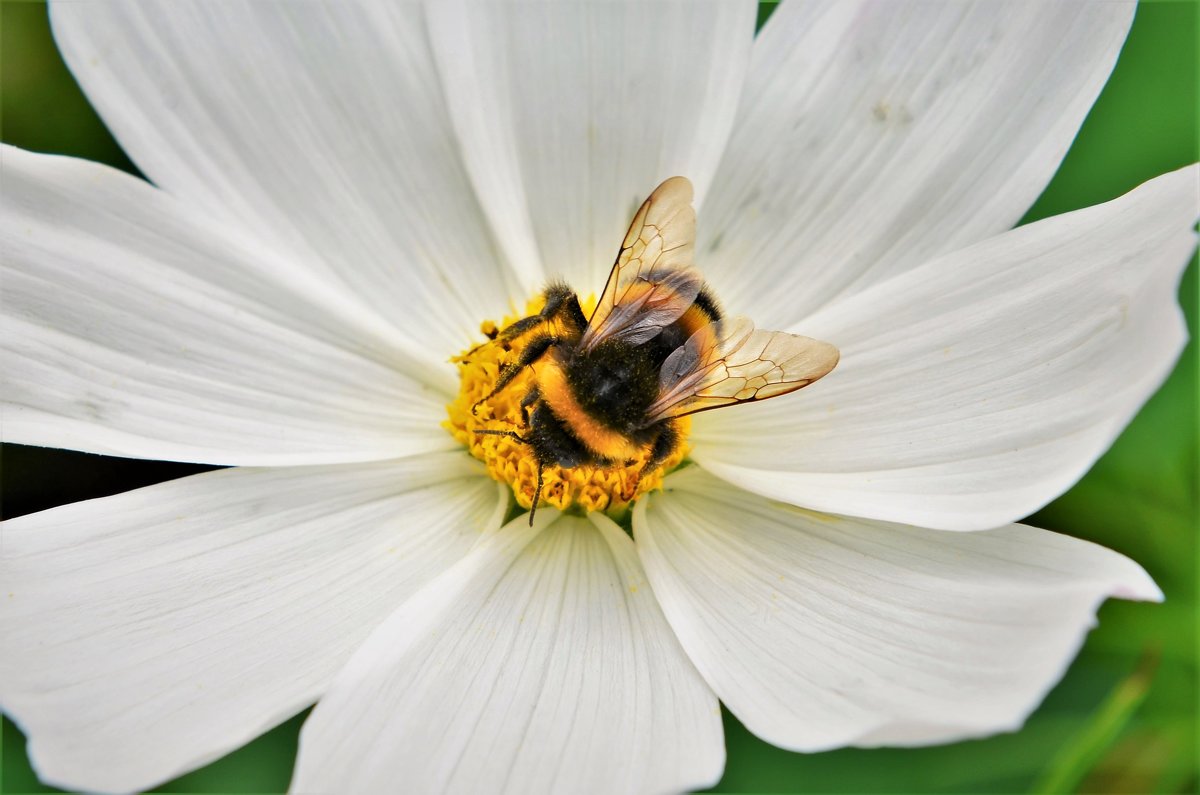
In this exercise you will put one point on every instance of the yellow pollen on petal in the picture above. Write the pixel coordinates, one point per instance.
(592, 488)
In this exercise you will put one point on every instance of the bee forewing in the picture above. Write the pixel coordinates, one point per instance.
(732, 362)
(651, 283)
(668, 214)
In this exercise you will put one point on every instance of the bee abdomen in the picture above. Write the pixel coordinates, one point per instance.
(577, 411)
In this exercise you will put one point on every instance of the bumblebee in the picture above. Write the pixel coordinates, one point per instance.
(610, 387)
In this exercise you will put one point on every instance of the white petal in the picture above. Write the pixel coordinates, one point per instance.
(976, 388)
(540, 663)
(320, 127)
(144, 634)
(570, 114)
(819, 631)
(135, 326)
(876, 134)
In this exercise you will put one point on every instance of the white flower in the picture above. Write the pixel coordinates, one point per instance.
(342, 192)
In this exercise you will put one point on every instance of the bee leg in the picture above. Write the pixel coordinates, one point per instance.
(664, 444)
(537, 494)
(512, 331)
(518, 328)
(509, 434)
(534, 351)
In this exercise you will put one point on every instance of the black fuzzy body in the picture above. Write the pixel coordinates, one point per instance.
(615, 383)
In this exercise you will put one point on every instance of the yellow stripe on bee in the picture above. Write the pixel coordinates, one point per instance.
(694, 320)
(552, 383)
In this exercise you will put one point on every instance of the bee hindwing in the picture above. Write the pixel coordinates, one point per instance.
(730, 362)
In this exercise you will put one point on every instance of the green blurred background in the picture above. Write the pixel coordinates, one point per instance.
(1125, 717)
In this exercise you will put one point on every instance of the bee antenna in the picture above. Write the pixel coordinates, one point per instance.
(537, 495)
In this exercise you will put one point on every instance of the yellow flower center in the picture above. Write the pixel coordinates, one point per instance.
(508, 460)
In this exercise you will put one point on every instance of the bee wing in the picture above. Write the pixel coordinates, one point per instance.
(731, 362)
(652, 283)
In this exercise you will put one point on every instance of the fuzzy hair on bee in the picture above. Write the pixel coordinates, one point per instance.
(611, 387)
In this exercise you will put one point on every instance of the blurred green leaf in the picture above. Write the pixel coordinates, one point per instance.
(1079, 756)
